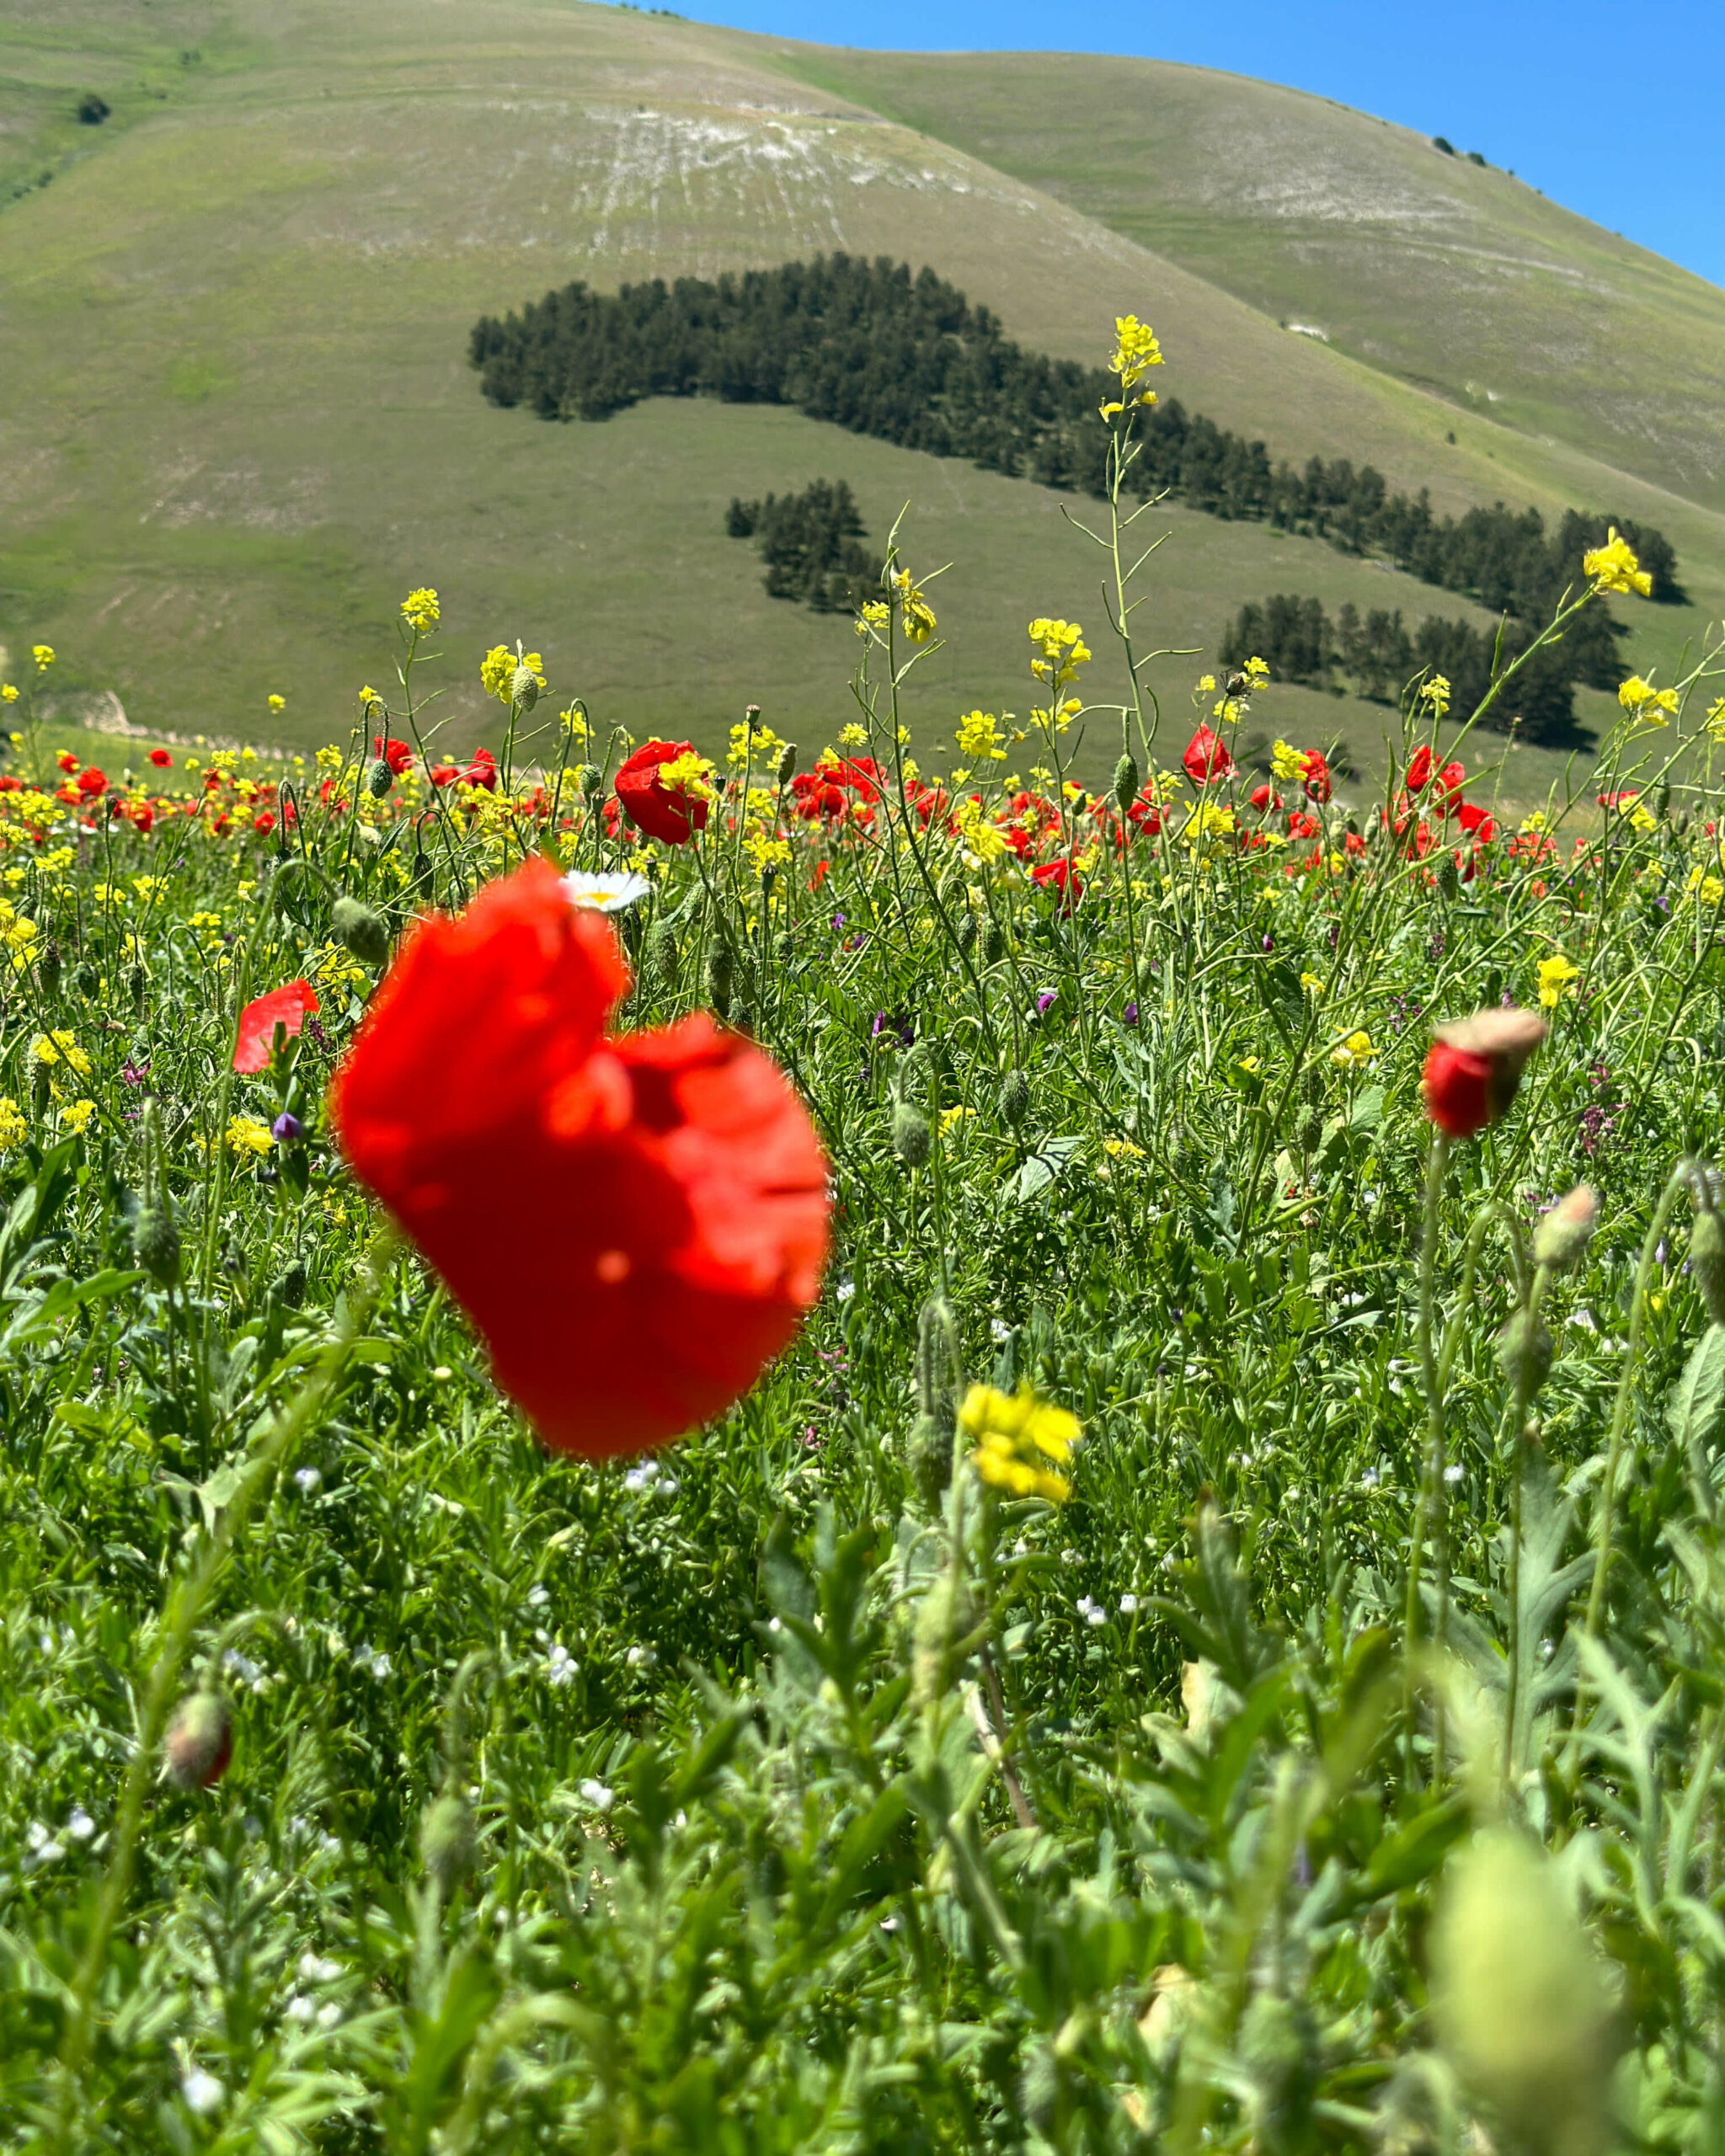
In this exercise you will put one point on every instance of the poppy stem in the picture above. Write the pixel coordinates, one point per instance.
(1428, 1514)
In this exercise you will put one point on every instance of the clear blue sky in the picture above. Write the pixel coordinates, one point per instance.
(1609, 110)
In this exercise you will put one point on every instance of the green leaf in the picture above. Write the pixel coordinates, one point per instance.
(1042, 1167)
(1697, 1411)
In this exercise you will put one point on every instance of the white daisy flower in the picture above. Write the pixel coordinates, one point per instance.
(609, 894)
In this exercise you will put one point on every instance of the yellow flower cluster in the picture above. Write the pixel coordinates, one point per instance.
(60, 1047)
(8, 694)
(757, 744)
(1614, 567)
(1435, 694)
(1061, 648)
(979, 738)
(420, 612)
(248, 1137)
(497, 670)
(691, 774)
(1011, 1431)
(1289, 763)
(915, 615)
(13, 1129)
(1709, 889)
(75, 1115)
(1136, 352)
(1354, 1053)
(976, 834)
(874, 615)
(43, 653)
(1642, 700)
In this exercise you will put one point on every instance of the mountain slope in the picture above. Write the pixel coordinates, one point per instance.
(240, 422)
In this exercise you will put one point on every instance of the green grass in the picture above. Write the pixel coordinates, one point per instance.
(238, 422)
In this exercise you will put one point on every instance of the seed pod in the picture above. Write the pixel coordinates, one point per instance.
(447, 1841)
(421, 872)
(1126, 782)
(662, 953)
(994, 943)
(41, 1089)
(1524, 1354)
(155, 1243)
(381, 779)
(362, 929)
(137, 982)
(87, 981)
(967, 931)
(785, 770)
(524, 688)
(1562, 1235)
(1310, 1133)
(291, 1288)
(1707, 1260)
(590, 780)
(1450, 878)
(1015, 1098)
(721, 976)
(912, 1138)
(1661, 804)
(48, 967)
(200, 1741)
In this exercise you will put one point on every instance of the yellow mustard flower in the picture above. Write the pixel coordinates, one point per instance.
(1122, 1149)
(1435, 694)
(915, 615)
(60, 1047)
(1555, 974)
(1136, 352)
(420, 612)
(1614, 567)
(13, 1129)
(1311, 983)
(8, 692)
(1011, 1430)
(43, 653)
(1642, 700)
(276, 703)
(691, 774)
(1354, 1053)
(248, 1137)
(1061, 648)
(874, 615)
(75, 1115)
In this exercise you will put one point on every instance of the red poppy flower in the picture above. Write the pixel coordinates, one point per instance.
(1262, 799)
(92, 783)
(1207, 757)
(161, 758)
(1473, 1067)
(1302, 826)
(265, 821)
(397, 754)
(1446, 789)
(1146, 813)
(10, 785)
(287, 1007)
(1315, 776)
(67, 760)
(444, 774)
(1419, 769)
(1062, 877)
(481, 772)
(1478, 823)
(662, 814)
(634, 1224)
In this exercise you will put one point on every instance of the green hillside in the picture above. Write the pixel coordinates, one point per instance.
(240, 422)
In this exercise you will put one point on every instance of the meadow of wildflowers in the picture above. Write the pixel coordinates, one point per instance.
(789, 1452)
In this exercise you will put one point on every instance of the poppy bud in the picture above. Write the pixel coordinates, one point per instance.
(590, 780)
(381, 779)
(994, 943)
(911, 1136)
(1308, 1135)
(48, 967)
(419, 871)
(41, 1089)
(1126, 782)
(200, 1742)
(291, 1288)
(1564, 1234)
(155, 1243)
(943, 1617)
(1707, 1260)
(721, 975)
(1015, 1098)
(137, 981)
(928, 1455)
(1474, 1067)
(662, 953)
(1524, 1354)
(1661, 804)
(524, 688)
(967, 931)
(362, 929)
(785, 770)
(1450, 878)
(87, 981)
(448, 1841)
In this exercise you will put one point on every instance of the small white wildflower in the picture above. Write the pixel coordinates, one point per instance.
(999, 1331)
(538, 1596)
(307, 1479)
(598, 1796)
(79, 1824)
(559, 1666)
(200, 2092)
(299, 2008)
(640, 1658)
(1129, 1605)
(669, 1486)
(328, 2015)
(240, 1666)
(1454, 1471)
(316, 1969)
(1092, 1613)
(844, 1290)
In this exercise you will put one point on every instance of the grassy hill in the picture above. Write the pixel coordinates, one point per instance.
(239, 424)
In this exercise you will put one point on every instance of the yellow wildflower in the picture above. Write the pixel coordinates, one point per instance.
(752, 744)
(1642, 819)
(8, 692)
(874, 615)
(1311, 983)
(1136, 352)
(915, 615)
(1257, 673)
(13, 1129)
(573, 725)
(1122, 1149)
(978, 737)
(60, 1047)
(1435, 694)
(1556, 974)
(952, 1116)
(1011, 1430)
(852, 736)
(497, 670)
(43, 653)
(1614, 567)
(1287, 763)
(1062, 650)
(276, 703)
(75, 1115)
(420, 612)
(247, 1136)
(1642, 700)
(765, 852)
(1354, 1053)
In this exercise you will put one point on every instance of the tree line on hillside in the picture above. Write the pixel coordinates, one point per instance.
(905, 358)
(1299, 641)
(809, 543)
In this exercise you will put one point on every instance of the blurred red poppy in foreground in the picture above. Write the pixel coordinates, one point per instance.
(635, 1224)
(1473, 1067)
(288, 1006)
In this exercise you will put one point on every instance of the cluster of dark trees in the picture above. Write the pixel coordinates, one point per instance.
(905, 358)
(809, 543)
(1299, 641)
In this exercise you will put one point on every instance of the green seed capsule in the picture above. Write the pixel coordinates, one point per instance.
(362, 929)
(1126, 782)
(1015, 1098)
(994, 944)
(381, 779)
(155, 1242)
(912, 1139)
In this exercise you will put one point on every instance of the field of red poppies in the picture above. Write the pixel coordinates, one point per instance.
(798, 1453)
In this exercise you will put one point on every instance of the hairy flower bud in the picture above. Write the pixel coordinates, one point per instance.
(1524, 1354)
(291, 1288)
(362, 929)
(1449, 878)
(1308, 1133)
(662, 953)
(1126, 782)
(1707, 1260)
(994, 943)
(785, 770)
(721, 976)
(1564, 1234)
(137, 982)
(928, 1455)
(87, 981)
(524, 688)
(200, 1742)
(48, 967)
(912, 1138)
(590, 780)
(1015, 1098)
(381, 780)
(967, 931)
(447, 1841)
(155, 1243)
